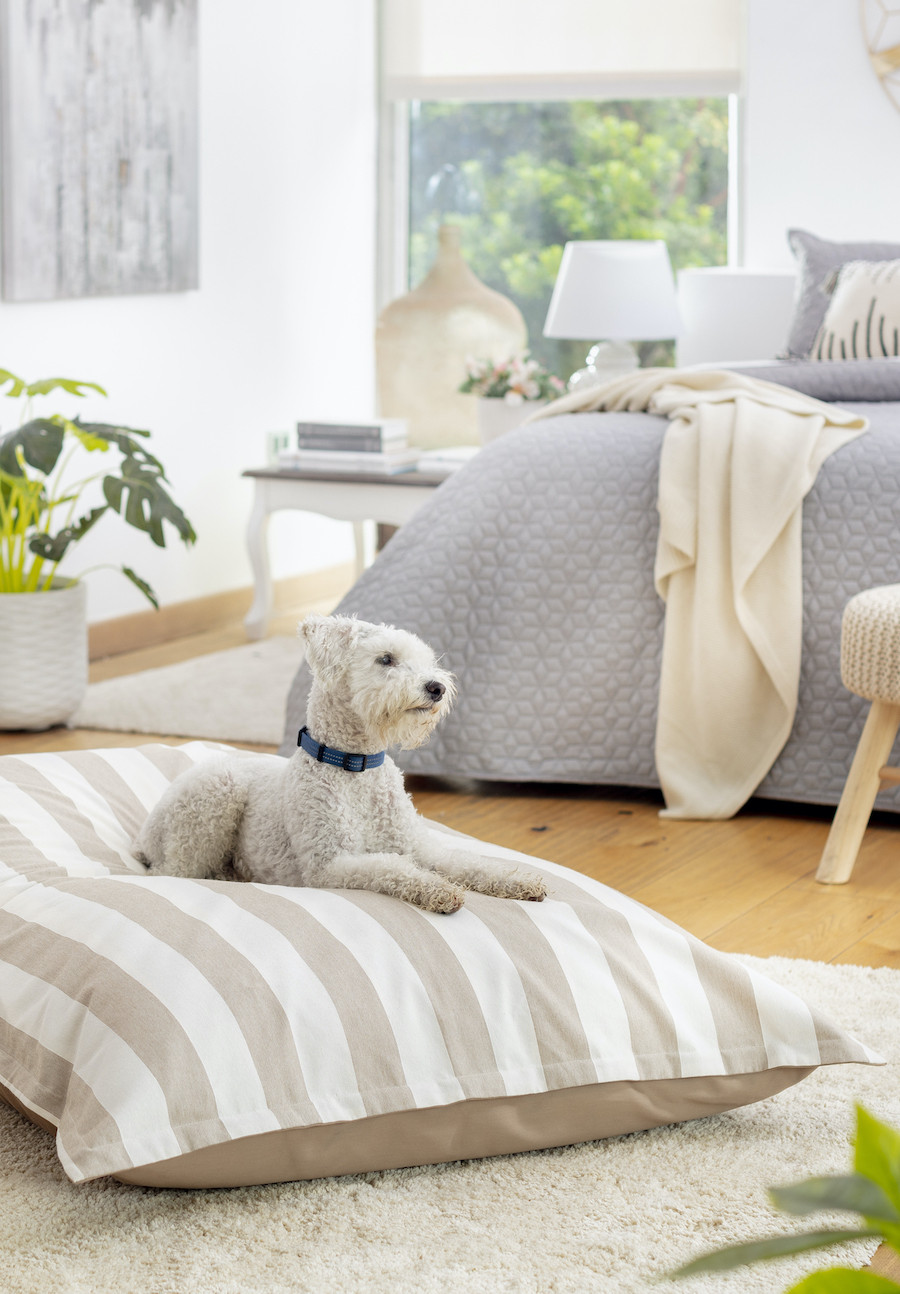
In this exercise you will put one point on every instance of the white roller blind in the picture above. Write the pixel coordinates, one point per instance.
(544, 49)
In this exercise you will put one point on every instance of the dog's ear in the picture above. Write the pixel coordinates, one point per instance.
(328, 641)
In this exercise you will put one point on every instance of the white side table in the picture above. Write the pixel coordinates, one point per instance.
(358, 498)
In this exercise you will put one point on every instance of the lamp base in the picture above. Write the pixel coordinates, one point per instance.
(605, 361)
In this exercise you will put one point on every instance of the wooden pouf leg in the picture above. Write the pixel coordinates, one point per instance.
(858, 797)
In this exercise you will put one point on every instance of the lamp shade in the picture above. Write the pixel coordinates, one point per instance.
(614, 289)
(732, 314)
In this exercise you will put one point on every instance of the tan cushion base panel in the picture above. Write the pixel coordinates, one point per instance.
(464, 1130)
(7, 1096)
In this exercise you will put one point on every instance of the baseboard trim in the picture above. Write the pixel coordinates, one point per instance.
(215, 611)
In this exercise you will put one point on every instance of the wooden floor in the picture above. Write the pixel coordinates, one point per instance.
(746, 885)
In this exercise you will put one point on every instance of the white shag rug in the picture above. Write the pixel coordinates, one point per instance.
(233, 695)
(601, 1216)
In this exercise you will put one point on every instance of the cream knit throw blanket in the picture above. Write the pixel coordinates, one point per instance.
(738, 457)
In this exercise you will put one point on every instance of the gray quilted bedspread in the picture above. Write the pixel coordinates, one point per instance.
(532, 570)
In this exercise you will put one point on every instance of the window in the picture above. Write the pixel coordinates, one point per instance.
(523, 178)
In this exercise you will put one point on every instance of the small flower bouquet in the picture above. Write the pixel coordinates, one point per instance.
(514, 380)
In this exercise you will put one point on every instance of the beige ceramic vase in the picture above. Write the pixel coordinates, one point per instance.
(423, 339)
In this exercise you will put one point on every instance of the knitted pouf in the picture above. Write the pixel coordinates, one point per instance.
(870, 667)
(870, 644)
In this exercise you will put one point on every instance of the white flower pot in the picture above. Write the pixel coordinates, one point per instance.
(43, 656)
(496, 417)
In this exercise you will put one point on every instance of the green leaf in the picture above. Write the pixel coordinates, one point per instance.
(844, 1280)
(138, 496)
(53, 547)
(21, 484)
(878, 1154)
(121, 436)
(48, 384)
(18, 385)
(853, 1194)
(123, 439)
(87, 439)
(142, 585)
(776, 1247)
(40, 441)
(23, 503)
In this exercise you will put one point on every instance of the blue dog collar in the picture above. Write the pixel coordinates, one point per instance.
(338, 758)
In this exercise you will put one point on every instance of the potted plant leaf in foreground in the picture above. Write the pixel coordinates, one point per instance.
(45, 478)
(872, 1191)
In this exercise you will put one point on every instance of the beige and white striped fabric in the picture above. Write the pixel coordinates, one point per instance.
(162, 1021)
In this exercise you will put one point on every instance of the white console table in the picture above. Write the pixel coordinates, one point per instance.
(358, 498)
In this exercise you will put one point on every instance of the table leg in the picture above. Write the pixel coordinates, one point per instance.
(359, 539)
(256, 620)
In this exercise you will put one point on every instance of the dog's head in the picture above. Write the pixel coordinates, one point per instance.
(385, 679)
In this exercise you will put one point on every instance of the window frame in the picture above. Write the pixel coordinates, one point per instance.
(392, 237)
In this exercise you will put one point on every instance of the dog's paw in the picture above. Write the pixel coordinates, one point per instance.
(440, 898)
(530, 888)
(538, 894)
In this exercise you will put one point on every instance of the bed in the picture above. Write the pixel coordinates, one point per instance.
(532, 570)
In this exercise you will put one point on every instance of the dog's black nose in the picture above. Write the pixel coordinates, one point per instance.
(435, 690)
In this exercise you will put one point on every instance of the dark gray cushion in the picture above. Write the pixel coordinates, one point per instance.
(816, 259)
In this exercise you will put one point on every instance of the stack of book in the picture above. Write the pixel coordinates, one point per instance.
(379, 446)
(441, 462)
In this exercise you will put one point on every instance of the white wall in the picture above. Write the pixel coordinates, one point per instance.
(282, 324)
(821, 140)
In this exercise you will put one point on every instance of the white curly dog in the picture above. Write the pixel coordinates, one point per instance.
(335, 814)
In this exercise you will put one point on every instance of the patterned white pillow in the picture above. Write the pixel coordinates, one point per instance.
(863, 319)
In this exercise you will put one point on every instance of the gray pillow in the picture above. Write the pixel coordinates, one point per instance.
(816, 259)
(838, 379)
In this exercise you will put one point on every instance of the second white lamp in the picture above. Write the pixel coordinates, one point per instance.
(617, 290)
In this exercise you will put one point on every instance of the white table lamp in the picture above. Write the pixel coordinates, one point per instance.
(616, 291)
(731, 314)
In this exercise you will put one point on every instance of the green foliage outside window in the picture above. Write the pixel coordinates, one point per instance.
(522, 179)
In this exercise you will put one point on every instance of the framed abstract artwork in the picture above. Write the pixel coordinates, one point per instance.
(99, 147)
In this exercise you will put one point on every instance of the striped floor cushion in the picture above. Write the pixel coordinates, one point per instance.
(196, 1033)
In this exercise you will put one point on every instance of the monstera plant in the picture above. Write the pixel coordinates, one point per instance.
(50, 498)
(40, 500)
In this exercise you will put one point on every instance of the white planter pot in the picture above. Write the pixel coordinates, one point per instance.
(496, 417)
(43, 656)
